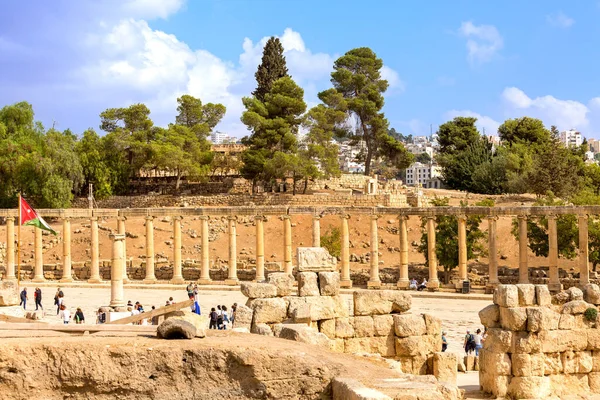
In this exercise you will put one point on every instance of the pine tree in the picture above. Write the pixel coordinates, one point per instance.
(271, 68)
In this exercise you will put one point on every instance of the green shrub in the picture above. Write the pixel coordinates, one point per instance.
(332, 241)
(591, 314)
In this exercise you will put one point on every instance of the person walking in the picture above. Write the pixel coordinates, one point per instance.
(469, 343)
(225, 317)
(213, 319)
(190, 291)
(38, 298)
(24, 298)
(478, 339)
(444, 341)
(232, 313)
(58, 300)
(219, 318)
(79, 318)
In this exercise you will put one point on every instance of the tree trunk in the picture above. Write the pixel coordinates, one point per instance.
(178, 183)
(294, 184)
(305, 185)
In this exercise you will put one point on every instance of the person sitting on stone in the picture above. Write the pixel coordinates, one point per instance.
(79, 318)
(423, 285)
(413, 284)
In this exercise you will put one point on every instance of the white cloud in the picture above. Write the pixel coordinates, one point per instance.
(483, 42)
(560, 20)
(486, 123)
(564, 114)
(393, 78)
(149, 9)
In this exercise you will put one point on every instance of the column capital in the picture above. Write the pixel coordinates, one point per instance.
(117, 236)
(121, 218)
(10, 219)
(317, 217)
(492, 218)
(461, 217)
(232, 217)
(204, 217)
(93, 218)
(345, 216)
(260, 218)
(552, 216)
(403, 217)
(430, 217)
(287, 216)
(375, 217)
(149, 218)
(177, 218)
(68, 219)
(522, 217)
(583, 216)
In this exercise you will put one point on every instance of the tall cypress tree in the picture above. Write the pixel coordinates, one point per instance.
(271, 68)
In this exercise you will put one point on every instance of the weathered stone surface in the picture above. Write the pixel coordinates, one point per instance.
(351, 389)
(579, 362)
(304, 334)
(307, 284)
(409, 325)
(254, 290)
(576, 307)
(301, 314)
(526, 294)
(596, 360)
(243, 317)
(337, 345)
(470, 362)
(200, 322)
(344, 327)
(569, 387)
(552, 364)
(383, 345)
(529, 387)
(13, 311)
(528, 364)
(262, 329)
(542, 295)
(269, 311)
(327, 327)
(496, 363)
(9, 293)
(383, 325)
(497, 385)
(293, 302)
(315, 259)
(433, 325)
(561, 298)
(490, 316)
(444, 367)
(34, 315)
(283, 282)
(341, 307)
(542, 319)
(506, 296)
(416, 345)
(513, 319)
(574, 293)
(363, 326)
(526, 342)
(498, 341)
(567, 321)
(562, 340)
(593, 339)
(329, 283)
(175, 329)
(377, 302)
(591, 294)
(594, 382)
(321, 307)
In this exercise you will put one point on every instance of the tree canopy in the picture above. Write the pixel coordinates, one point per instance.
(271, 68)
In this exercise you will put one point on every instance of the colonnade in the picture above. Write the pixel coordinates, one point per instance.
(259, 220)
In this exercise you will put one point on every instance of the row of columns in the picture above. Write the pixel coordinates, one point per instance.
(373, 282)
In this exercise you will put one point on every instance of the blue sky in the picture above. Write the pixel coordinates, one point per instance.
(494, 60)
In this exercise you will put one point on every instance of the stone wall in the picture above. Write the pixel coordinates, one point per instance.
(541, 346)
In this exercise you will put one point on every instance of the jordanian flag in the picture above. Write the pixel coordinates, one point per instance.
(30, 217)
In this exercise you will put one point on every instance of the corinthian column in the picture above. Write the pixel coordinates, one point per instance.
(177, 267)
(584, 251)
(232, 278)
(374, 281)
(95, 263)
(403, 281)
(116, 271)
(553, 281)
(260, 248)
(462, 248)
(493, 254)
(287, 244)
(67, 262)
(150, 274)
(10, 248)
(121, 230)
(38, 272)
(345, 280)
(205, 266)
(434, 282)
(523, 267)
(316, 231)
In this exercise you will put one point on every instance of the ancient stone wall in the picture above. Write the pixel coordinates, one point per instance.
(539, 346)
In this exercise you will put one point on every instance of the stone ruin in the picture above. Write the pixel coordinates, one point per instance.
(541, 346)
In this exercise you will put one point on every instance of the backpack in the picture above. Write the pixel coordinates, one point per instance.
(471, 339)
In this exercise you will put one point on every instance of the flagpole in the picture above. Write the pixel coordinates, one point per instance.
(19, 244)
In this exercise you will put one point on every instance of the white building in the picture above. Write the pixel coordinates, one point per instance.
(217, 137)
(347, 158)
(425, 175)
(571, 138)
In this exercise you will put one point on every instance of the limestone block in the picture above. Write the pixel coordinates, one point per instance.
(307, 284)
(506, 296)
(293, 302)
(175, 329)
(304, 334)
(321, 307)
(542, 295)
(542, 319)
(594, 382)
(526, 342)
(461, 365)
(243, 317)
(378, 302)
(342, 309)
(254, 290)
(567, 321)
(444, 367)
(490, 316)
(470, 362)
(528, 364)
(383, 325)
(283, 282)
(420, 364)
(329, 283)
(262, 329)
(357, 345)
(526, 294)
(576, 307)
(276, 328)
(199, 321)
(593, 339)
(574, 293)
(513, 319)
(384, 345)
(337, 346)
(363, 326)
(301, 314)
(497, 385)
(34, 315)
(596, 361)
(552, 364)
(591, 294)
(433, 325)
(327, 327)
(573, 386)
(416, 345)
(564, 340)
(409, 325)
(496, 363)
(9, 294)
(529, 387)
(585, 362)
(498, 341)
(269, 311)
(561, 298)
(344, 327)
(315, 259)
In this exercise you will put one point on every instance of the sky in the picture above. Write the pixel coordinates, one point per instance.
(72, 59)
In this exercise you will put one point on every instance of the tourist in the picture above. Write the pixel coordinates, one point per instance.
(38, 298)
(413, 284)
(58, 299)
(100, 316)
(444, 341)
(213, 319)
(24, 298)
(225, 317)
(140, 307)
(196, 307)
(79, 318)
(170, 301)
(196, 293)
(232, 312)
(190, 291)
(65, 314)
(423, 285)
(469, 343)
(129, 303)
(478, 342)
(219, 318)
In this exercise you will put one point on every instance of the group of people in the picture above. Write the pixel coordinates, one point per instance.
(220, 317)
(414, 285)
(474, 341)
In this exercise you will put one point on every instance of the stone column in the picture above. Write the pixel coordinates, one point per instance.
(434, 283)
(116, 271)
(374, 281)
(345, 280)
(150, 274)
(205, 266)
(523, 268)
(553, 281)
(316, 231)
(260, 248)
(121, 230)
(232, 278)
(287, 244)
(38, 272)
(462, 249)
(95, 267)
(67, 264)
(584, 251)
(403, 280)
(177, 267)
(493, 254)
(10, 249)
